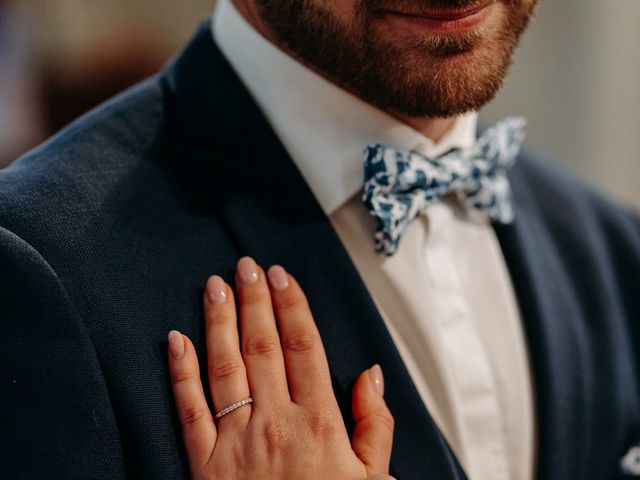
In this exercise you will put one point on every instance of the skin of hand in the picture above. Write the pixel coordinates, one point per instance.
(294, 428)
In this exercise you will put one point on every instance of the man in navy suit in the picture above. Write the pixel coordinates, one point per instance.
(509, 350)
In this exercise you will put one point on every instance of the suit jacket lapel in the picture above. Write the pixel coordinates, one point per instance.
(271, 214)
(556, 342)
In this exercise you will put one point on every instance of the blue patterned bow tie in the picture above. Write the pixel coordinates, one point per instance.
(400, 184)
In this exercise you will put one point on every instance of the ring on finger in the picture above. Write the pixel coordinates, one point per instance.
(233, 407)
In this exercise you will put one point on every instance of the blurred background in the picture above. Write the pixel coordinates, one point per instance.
(576, 76)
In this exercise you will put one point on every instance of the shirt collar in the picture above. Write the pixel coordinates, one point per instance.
(323, 127)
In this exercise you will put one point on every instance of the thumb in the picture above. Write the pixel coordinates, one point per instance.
(373, 435)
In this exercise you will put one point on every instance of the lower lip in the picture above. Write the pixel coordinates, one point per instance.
(446, 22)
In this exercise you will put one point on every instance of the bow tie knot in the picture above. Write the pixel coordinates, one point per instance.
(401, 184)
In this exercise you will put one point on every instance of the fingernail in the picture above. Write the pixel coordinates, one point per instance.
(216, 289)
(377, 379)
(176, 344)
(247, 270)
(278, 277)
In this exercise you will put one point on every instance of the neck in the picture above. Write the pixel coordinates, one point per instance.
(433, 128)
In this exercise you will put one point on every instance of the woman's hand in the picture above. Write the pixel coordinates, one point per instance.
(293, 429)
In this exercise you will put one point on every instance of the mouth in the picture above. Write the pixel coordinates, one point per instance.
(445, 20)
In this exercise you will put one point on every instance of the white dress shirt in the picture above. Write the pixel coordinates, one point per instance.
(445, 296)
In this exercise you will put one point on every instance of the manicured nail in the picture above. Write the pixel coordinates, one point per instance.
(216, 290)
(176, 344)
(278, 277)
(247, 270)
(377, 379)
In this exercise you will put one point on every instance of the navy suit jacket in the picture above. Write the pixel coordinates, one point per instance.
(110, 229)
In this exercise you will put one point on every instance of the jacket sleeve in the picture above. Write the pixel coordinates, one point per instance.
(56, 419)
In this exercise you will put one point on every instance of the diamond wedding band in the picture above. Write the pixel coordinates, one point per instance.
(233, 407)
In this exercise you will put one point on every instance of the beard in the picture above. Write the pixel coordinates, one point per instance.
(426, 75)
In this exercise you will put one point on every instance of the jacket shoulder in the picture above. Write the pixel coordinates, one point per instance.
(104, 143)
(71, 176)
(565, 201)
